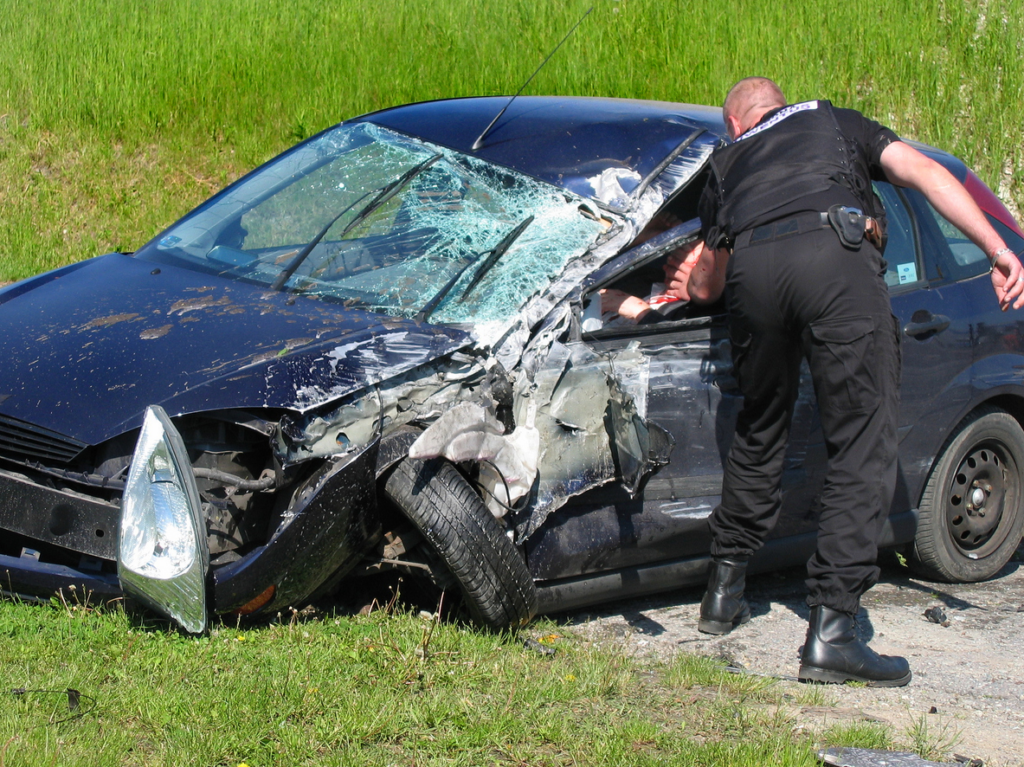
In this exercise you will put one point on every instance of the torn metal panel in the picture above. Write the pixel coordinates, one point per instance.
(510, 476)
(586, 419)
(537, 354)
(571, 397)
(317, 379)
(551, 307)
(632, 371)
(466, 432)
(612, 186)
(469, 432)
(640, 447)
(681, 170)
(676, 175)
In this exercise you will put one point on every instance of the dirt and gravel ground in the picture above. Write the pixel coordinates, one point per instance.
(968, 685)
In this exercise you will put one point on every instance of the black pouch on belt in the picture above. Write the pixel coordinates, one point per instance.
(849, 224)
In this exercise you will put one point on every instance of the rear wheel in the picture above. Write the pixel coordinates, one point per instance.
(495, 583)
(971, 515)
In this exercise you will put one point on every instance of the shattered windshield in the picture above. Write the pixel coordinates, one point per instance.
(384, 222)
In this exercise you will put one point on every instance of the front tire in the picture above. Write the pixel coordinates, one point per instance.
(496, 584)
(971, 514)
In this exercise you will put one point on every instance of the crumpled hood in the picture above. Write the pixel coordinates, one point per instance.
(85, 349)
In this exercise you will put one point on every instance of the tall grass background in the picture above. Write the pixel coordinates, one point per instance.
(178, 96)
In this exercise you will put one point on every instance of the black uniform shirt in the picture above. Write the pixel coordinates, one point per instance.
(870, 136)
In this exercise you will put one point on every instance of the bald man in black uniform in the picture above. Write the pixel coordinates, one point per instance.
(793, 233)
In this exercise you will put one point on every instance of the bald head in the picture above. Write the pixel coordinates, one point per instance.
(747, 102)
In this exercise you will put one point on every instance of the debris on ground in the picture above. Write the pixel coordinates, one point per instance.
(873, 757)
(937, 615)
(966, 761)
(537, 647)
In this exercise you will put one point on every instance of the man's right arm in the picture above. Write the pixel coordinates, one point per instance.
(707, 279)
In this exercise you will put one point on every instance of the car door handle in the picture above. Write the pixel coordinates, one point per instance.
(934, 323)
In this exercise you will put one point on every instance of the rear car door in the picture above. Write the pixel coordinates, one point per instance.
(931, 309)
(952, 333)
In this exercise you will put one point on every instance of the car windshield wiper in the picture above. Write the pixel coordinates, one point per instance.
(498, 252)
(386, 193)
(495, 253)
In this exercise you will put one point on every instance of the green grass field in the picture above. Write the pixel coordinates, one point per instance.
(381, 689)
(117, 117)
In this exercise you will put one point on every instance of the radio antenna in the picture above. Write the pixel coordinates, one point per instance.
(480, 140)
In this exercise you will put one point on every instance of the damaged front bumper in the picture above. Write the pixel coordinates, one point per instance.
(330, 525)
(158, 537)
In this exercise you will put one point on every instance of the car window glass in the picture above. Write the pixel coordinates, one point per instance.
(950, 255)
(309, 222)
(294, 215)
(965, 253)
(901, 248)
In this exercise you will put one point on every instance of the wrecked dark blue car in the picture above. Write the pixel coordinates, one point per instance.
(381, 352)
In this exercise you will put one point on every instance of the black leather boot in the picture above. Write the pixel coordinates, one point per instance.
(833, 653)
(723, 607)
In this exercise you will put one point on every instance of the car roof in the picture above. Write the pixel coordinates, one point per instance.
(566, 141)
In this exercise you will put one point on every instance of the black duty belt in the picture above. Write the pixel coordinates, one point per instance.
(787, 227)
(849, 224)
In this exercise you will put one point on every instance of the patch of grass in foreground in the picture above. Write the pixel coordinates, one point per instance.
(361, 690)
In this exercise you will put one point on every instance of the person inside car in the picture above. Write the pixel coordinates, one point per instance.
(619, 307)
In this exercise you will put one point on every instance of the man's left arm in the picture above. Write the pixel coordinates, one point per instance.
(905, 166)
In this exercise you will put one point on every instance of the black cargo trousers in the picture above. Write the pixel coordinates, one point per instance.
(805, 295)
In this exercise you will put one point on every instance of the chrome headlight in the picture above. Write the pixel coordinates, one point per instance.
(162, 552)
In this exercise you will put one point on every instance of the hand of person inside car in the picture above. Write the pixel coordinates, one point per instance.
(633, 309)
(619, 302)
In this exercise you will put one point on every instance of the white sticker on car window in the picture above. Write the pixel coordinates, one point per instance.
(907, 272)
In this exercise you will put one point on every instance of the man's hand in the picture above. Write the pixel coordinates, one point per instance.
(707, 279)
(1008, 280)
(678, 267)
